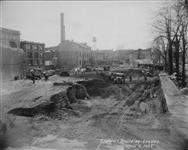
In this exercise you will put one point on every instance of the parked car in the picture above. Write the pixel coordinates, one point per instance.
(50, 72)
(37, 73)
(64, 73)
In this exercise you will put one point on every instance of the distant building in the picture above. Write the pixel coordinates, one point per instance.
(130, 56)
(10, 38)
(125, 57)
(34, 54)
(11, 56)
(50, 57)
(103, 57)
(71, 54)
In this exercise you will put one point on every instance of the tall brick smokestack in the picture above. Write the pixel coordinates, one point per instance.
(62, 28)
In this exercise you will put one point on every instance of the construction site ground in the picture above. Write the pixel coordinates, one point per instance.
(99, 126)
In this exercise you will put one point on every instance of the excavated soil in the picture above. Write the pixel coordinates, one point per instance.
(97, 111)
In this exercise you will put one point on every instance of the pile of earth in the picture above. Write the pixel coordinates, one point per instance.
(56, 103)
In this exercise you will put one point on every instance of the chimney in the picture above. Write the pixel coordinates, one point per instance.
(62, 28)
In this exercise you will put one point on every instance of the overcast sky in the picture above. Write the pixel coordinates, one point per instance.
(115, 24)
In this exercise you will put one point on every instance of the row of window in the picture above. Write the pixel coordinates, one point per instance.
(35, 55)
(35, 62)
(34, 47)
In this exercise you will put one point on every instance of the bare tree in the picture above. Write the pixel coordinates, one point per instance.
(159, 52)
(171, 24)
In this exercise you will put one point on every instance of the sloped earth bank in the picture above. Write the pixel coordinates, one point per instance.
(116, 117)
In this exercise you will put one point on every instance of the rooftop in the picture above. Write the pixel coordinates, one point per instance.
(9, 30)
(32, 42)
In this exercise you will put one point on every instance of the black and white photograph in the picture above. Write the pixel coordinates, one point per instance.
(94, 75)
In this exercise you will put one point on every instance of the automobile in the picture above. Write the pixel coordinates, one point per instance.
(147, 72)
(37, 74)
(119, 80)
(50, 72)
(88, 69)
(64, 73)
(99, 69)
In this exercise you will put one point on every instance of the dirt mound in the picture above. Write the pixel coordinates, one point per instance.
(95, 87)
(56, 103)
(45, 108)
(77, 91)
(112, 90)
(147, 99)
(184, 91)
(60, 100)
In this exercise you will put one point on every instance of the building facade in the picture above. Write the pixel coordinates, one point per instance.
(72, 54)
(50, 57)
(11, 56)
(103, 57)
(10, 38)
(34, 54)
(125, 57)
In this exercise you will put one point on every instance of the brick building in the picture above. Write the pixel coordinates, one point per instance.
(34, 54)
(50, 57)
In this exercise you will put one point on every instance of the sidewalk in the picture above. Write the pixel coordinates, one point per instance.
(177, 104)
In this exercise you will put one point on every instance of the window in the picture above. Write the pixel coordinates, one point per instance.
(40, 47)
(27, 46)
(29, 55)
(35, 63)
(34, 47)
(36, 55)
(41, 62)
(30, 62)
(13, 44)
(41, 55)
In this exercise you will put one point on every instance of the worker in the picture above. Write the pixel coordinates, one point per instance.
(45, 76)
(33, 76)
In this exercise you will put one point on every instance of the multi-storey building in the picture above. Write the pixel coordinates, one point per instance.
(50, 57)
(11, 56)
(121, 56)
(34, 53)
(10, 38)
(71, 54)
(103, 57)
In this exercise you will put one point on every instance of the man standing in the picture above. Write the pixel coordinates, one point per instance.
(33, 76)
